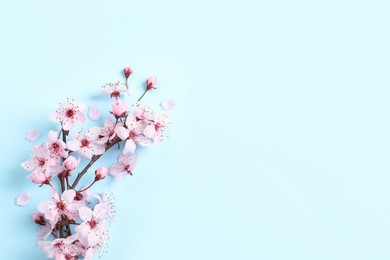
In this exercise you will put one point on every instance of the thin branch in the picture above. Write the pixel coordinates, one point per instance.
(93, 160)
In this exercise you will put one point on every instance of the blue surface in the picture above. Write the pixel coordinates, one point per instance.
(280, 143)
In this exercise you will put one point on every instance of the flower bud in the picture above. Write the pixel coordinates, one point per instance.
(151, 83)
(39, 178)
(119, 108)
(101, 173)
(70, 163)
(39, 218)
(127, 71)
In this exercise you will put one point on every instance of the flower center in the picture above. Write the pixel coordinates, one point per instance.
(92, 223)
(41, 162)
(127, 168)
(84, 143)
(61, 206)
(115, 94)
(132, 134)
(55, 147)
(70, 113)
(58, 244)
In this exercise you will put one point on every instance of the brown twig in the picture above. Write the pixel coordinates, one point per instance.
(93, 160)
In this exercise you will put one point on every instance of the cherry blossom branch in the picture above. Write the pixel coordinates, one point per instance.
(93, 160)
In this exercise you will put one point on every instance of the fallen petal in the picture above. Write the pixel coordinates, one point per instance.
(168, 104)
(32, 135)
(94, 113)
(23, 199)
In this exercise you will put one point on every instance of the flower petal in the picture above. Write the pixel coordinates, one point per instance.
(68, 196)
(32, 135)
(149, 131)
(122, 132)
(74, 145)
(129, 147)
(85, 213)
(86, 152)
(23, 199)
(168, 104)
(94, 113)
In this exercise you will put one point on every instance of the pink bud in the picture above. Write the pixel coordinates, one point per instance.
(101, 173)
(151, 83)
(127, 71)
(39, 218)
(119, 108)
(39, 177)
(70, 163)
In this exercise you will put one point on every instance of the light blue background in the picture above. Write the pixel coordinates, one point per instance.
(280, 143)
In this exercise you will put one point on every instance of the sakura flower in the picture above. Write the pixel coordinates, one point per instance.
(39, 177)
(157, 127)
(67, 166)
(113, 89)
(94, 113)
(57, 147)
(46, 227)
(132, 134)
(87, 145)
(62, 248)
(62, 205)
(107, 200)
(119, 108)
(23, 199)
(107, 132)
(68, 114)
(143, 113)
(124, 166)
(40, 160)
(32, 135)
(93, 230)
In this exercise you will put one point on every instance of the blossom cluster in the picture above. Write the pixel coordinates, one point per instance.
(74, 222)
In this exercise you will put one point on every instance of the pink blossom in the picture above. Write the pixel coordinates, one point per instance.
(57, 147)
(119, 108)
(71, 163)
(87, 145)
(157, 127)
(101, 173)
(93, 231)
(62, 248)
(62, 205)
(68, 114)
(39, 218)
(32, 135)
(66, 167)
(40, 160)
(108, 130)
(151, 83)
(113, 89)
(132, 134)
(124, 166)
(107, 201)
(45, 229)
(39, 177)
